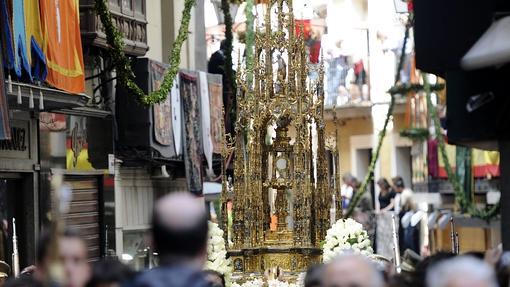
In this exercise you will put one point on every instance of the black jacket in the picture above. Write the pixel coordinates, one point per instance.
(171, 276)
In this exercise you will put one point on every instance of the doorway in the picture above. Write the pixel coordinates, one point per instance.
(403, 164)
(362, 159)
(17, 202)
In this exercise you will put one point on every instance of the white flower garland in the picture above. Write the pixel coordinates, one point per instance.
(270, 283)
(217, 253)
(346, 235)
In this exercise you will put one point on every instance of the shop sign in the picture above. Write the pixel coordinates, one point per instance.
(19, 144)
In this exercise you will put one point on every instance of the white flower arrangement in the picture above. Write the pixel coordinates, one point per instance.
(217, 253)
(346, 235)
(261, 283)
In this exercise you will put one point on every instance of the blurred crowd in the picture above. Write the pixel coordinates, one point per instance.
(180, 231)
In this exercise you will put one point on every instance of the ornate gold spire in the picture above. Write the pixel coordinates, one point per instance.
(273, 167)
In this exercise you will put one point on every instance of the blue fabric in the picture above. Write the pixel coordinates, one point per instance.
(7, 43)
(20, 43)
(170, 276)
(39, 68)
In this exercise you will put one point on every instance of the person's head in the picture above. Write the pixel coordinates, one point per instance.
(351, 270)
(398, 183)
(383, 184)
(461, 271)
(422, 268)
(314, 275)
(110, 273)
(214, 278)
(73, 255)
(347, 178)
(179, 229)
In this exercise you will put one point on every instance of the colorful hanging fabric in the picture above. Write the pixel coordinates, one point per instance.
(192, 132)
(6, 33)
(62, 47)
(162, 112)
(216, 110)
(34, 39)
(206, 120)
(5, 129)
(432, 158)
(485, 163)
(21, 64)
(175, 96)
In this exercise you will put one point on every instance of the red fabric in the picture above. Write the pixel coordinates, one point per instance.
(358, 67)
(315, 51)
(304, 27)
(410, 6)
(478, 171)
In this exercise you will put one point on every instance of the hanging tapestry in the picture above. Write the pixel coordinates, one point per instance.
(175, 96)
(5, 130)
(485, 163)
(162, 112)
(216, 111)
(206, 120)
(192, 132)
(7, 44)
(62, 47)
(34, 40)
(21, 65)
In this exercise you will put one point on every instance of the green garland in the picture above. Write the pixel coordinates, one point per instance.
(404, 89)
(465, 205)
(250, 41)
(229, 38)
(415, 134)
(375, 156)
(122, 63)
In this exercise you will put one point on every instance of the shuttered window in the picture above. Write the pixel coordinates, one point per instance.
(84, 213)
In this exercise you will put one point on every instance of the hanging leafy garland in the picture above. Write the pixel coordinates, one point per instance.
(122, 63)
(415, 134)
(375, 156)
(465, 205)
(404, 89)
(229, 38)
(250, 40)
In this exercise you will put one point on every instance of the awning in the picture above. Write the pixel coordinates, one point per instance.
(53, 100)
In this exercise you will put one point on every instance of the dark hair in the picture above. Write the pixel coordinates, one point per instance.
(223, 45)
(110, 271)
(398, 181)
(384, 183)
(314, 275)
(42, 247)
(179, 242)
(216, 273)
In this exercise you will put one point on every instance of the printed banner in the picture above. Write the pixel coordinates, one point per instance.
(175, 95)
(192, 132)
(63, 50)
(216, 111)
(206, 120)
(162, 112)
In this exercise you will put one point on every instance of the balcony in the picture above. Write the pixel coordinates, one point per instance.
(129, 16)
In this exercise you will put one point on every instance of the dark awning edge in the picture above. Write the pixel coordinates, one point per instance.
(54, 100)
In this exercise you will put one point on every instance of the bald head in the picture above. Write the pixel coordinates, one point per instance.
(351, 270)
(179, 226)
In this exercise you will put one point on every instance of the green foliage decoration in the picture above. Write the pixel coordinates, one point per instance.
(122, 63)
